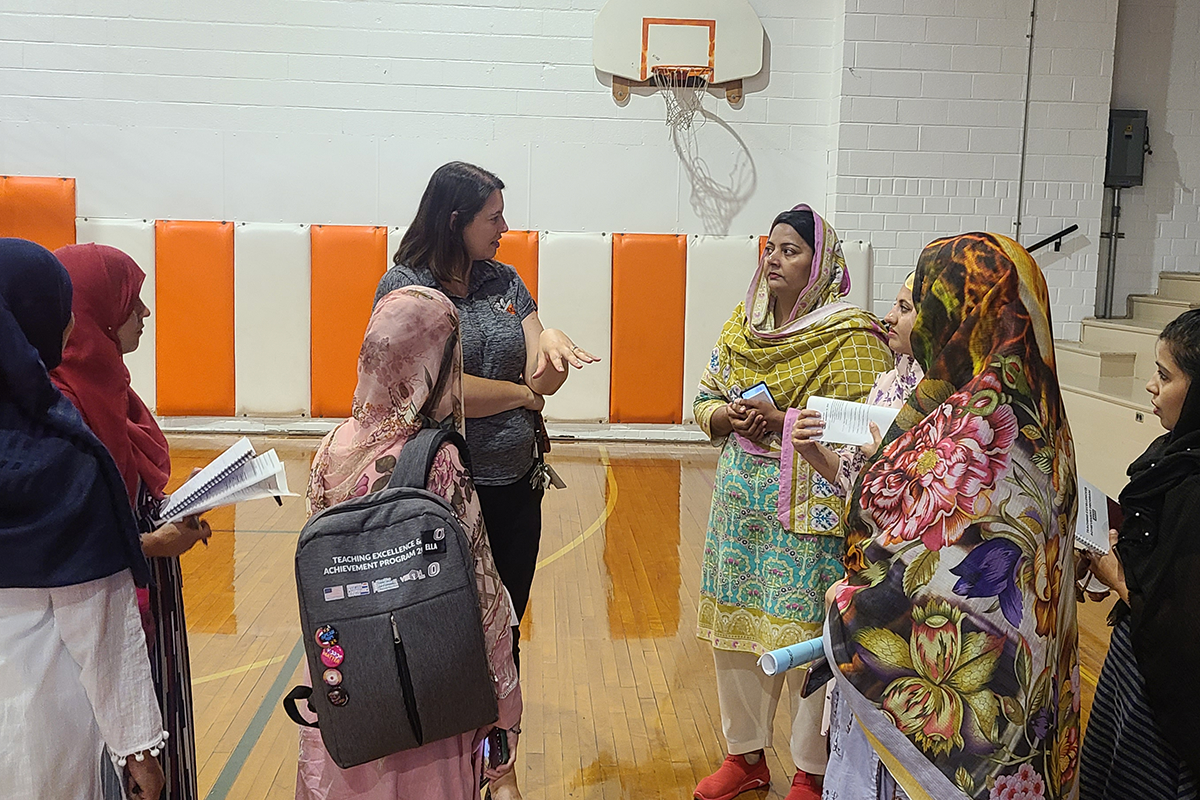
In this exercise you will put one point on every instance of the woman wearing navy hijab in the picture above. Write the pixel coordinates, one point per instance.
(74, 674)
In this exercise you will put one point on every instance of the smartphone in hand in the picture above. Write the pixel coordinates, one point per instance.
(496, 748)
(816, 675)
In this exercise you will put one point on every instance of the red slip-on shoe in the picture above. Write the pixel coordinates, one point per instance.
(734, 777)
(804, 787)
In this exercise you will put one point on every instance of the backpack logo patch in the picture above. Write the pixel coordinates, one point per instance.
(434, 541)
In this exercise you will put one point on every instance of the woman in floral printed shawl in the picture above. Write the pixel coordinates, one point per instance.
(410, 375)
(956, 642)
(770, 553)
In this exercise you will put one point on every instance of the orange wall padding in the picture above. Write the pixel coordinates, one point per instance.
(519, 249)
(347, 263)
(649, 280)
(41, 210)
(194, 292)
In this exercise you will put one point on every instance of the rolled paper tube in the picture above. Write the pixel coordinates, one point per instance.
(796, 655)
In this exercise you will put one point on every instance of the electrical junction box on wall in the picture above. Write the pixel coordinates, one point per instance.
(1128, 144)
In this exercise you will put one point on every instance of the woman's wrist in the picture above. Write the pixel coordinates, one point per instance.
(1121, 588)
(151, 544)
(719, 425)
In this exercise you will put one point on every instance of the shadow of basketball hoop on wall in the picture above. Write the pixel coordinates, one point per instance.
(684, 50)
(715, 200)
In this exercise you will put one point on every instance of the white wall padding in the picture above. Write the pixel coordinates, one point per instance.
(719, 271)
(858, 261)
(271, 289)
(135, 238)
(575, 295)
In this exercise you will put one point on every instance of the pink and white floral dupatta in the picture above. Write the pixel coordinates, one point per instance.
(410, 371)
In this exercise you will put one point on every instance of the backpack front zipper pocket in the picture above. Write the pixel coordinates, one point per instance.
(406, 684)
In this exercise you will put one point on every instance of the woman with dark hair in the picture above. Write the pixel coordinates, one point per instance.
(1141, 738)
(841, 466)
(109, 318)
(774, 535)
(74, 675)
(510, 363)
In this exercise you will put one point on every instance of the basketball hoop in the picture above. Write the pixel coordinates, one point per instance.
(683, 90)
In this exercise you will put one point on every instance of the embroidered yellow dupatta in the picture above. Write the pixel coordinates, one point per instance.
(827, 347)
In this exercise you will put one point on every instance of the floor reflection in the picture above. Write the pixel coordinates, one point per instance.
(619, 694)
(208, 572)
(641, 550)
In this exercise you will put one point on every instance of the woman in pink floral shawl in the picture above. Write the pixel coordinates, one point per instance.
(409, 375)
(955, 633)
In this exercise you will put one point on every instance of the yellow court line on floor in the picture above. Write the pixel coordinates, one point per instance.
(595, 526)
(216, 676)
(550, 559)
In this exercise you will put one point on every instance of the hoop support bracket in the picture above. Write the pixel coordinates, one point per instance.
(621, 87)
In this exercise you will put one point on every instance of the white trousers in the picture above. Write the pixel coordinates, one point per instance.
(748, 699)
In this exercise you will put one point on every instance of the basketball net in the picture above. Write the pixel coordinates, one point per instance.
(682, 89)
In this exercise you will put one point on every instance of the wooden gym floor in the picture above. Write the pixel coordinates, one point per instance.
(620, 700)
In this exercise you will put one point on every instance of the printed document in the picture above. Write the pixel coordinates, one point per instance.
(849, 423)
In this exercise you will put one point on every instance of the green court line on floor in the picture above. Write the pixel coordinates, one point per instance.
(237, 759)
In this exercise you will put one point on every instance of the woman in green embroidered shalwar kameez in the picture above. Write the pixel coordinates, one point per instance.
(771, 553)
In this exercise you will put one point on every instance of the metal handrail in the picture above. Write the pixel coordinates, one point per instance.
(1056, 239)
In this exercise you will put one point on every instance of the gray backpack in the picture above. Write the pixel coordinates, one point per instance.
(390, 618)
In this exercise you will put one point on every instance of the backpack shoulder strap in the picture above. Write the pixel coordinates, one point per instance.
(416, 459)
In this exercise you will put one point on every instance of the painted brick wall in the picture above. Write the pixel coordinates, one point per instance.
(1158, 69)
(931, 115)
(337, 112)
(1064, 174)
(901, 119)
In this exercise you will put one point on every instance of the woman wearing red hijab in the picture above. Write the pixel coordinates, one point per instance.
(109, 316)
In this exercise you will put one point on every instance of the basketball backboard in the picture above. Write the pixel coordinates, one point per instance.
(719, 41)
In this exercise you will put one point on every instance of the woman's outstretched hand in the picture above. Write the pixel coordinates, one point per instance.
(557, 350)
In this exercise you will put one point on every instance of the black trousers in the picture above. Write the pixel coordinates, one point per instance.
(513, 516)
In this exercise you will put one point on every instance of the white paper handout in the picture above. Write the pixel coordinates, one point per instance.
(235, 476)
(1091, 523)
(849, 423)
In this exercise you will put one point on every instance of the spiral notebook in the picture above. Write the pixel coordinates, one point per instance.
(237, 475)
(1097, 513)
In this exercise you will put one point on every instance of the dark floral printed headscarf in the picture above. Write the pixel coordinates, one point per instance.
(956, 640)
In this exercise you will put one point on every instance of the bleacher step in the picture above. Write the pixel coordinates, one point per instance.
(1184, 286)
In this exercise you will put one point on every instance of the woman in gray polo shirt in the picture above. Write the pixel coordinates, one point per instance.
(509, 361)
